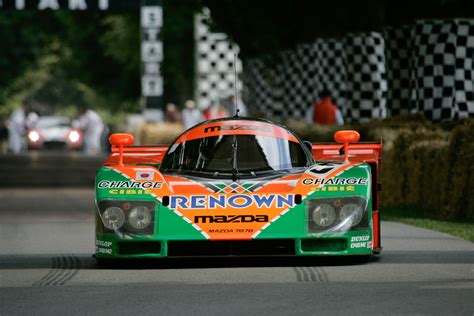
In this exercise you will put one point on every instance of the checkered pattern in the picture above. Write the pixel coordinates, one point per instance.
(353, 69)
(444, 68)
(426, 67)
(399, 53)
(366, 82)
(215, 77)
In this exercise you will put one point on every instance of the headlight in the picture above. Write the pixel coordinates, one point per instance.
(74, 136)
(140, 217)
(352, 212)
(33, 136)
(113, 217)
(337, 214)
(324, 215)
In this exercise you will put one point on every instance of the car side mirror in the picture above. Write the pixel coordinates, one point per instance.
(121, 140)
(346, 137)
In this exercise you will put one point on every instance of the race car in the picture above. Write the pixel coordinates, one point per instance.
(238, 187)
(54, 132)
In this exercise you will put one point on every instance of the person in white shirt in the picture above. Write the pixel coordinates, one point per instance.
(191, 114)
(31, 120)
(92, 128)
(16, 131)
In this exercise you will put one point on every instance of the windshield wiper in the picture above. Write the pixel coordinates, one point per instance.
(235, 171)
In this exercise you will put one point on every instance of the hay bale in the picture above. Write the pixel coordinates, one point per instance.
(155, 134)
(460, 180)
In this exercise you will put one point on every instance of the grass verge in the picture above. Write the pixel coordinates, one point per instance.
(410, 216)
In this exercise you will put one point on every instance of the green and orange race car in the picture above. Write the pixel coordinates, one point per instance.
(238, 186)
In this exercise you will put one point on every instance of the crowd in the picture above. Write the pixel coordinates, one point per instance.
(192, 114)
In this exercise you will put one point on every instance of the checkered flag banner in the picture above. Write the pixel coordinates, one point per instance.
(215, 71)
(352, 69)
(424, 68)
(430, 69)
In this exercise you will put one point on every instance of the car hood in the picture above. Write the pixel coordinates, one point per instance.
(278, 182)
(54, 133)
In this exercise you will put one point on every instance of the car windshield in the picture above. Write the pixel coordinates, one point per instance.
(51, 121)
(254, 154)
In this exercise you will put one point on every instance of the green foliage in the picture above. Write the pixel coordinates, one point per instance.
(66, 59)
(178, 39)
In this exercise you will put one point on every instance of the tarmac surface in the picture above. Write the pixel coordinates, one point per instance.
(47, 240)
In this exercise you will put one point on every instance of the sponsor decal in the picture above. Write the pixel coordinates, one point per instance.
(230, 230)
(217, 128)
(238, 201)
(360, 238)
(105, 184)
(129, 191)
(103, 247)
(361, 242)
(339, 181)
(231, 218)
(144, 175)
(332, 188)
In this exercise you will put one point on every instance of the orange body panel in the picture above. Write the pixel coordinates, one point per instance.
(137, 155)
(236, 127)
(361, 152)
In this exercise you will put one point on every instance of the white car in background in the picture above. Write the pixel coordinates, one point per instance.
(54, 132)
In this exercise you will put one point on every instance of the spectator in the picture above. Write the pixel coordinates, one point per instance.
(219, 112)
(191, 114)
(92, 128)
(31, 119)
(17, 128)
(324, 111)
(172, 114)
(206, 111)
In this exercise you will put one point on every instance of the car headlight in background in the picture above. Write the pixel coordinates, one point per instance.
(324, 215)
(33, 136)
(351, 212)
(139, 217)
(74, 136)
(113, 217)
(336, 214)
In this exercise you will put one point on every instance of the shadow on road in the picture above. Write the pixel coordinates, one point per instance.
(88, 262)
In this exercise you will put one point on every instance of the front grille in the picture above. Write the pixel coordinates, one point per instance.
(139, 248)
(232, 248)
(54, 144)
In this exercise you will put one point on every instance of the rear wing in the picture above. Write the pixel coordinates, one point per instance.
(363, 151)
(137, 155)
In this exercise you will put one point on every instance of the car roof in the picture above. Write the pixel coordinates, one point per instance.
(237, 126)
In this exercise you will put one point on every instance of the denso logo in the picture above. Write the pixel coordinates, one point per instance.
(211, 129)
(231, 219)
(238, 201)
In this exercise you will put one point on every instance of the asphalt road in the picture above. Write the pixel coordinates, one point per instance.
(46, 243)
